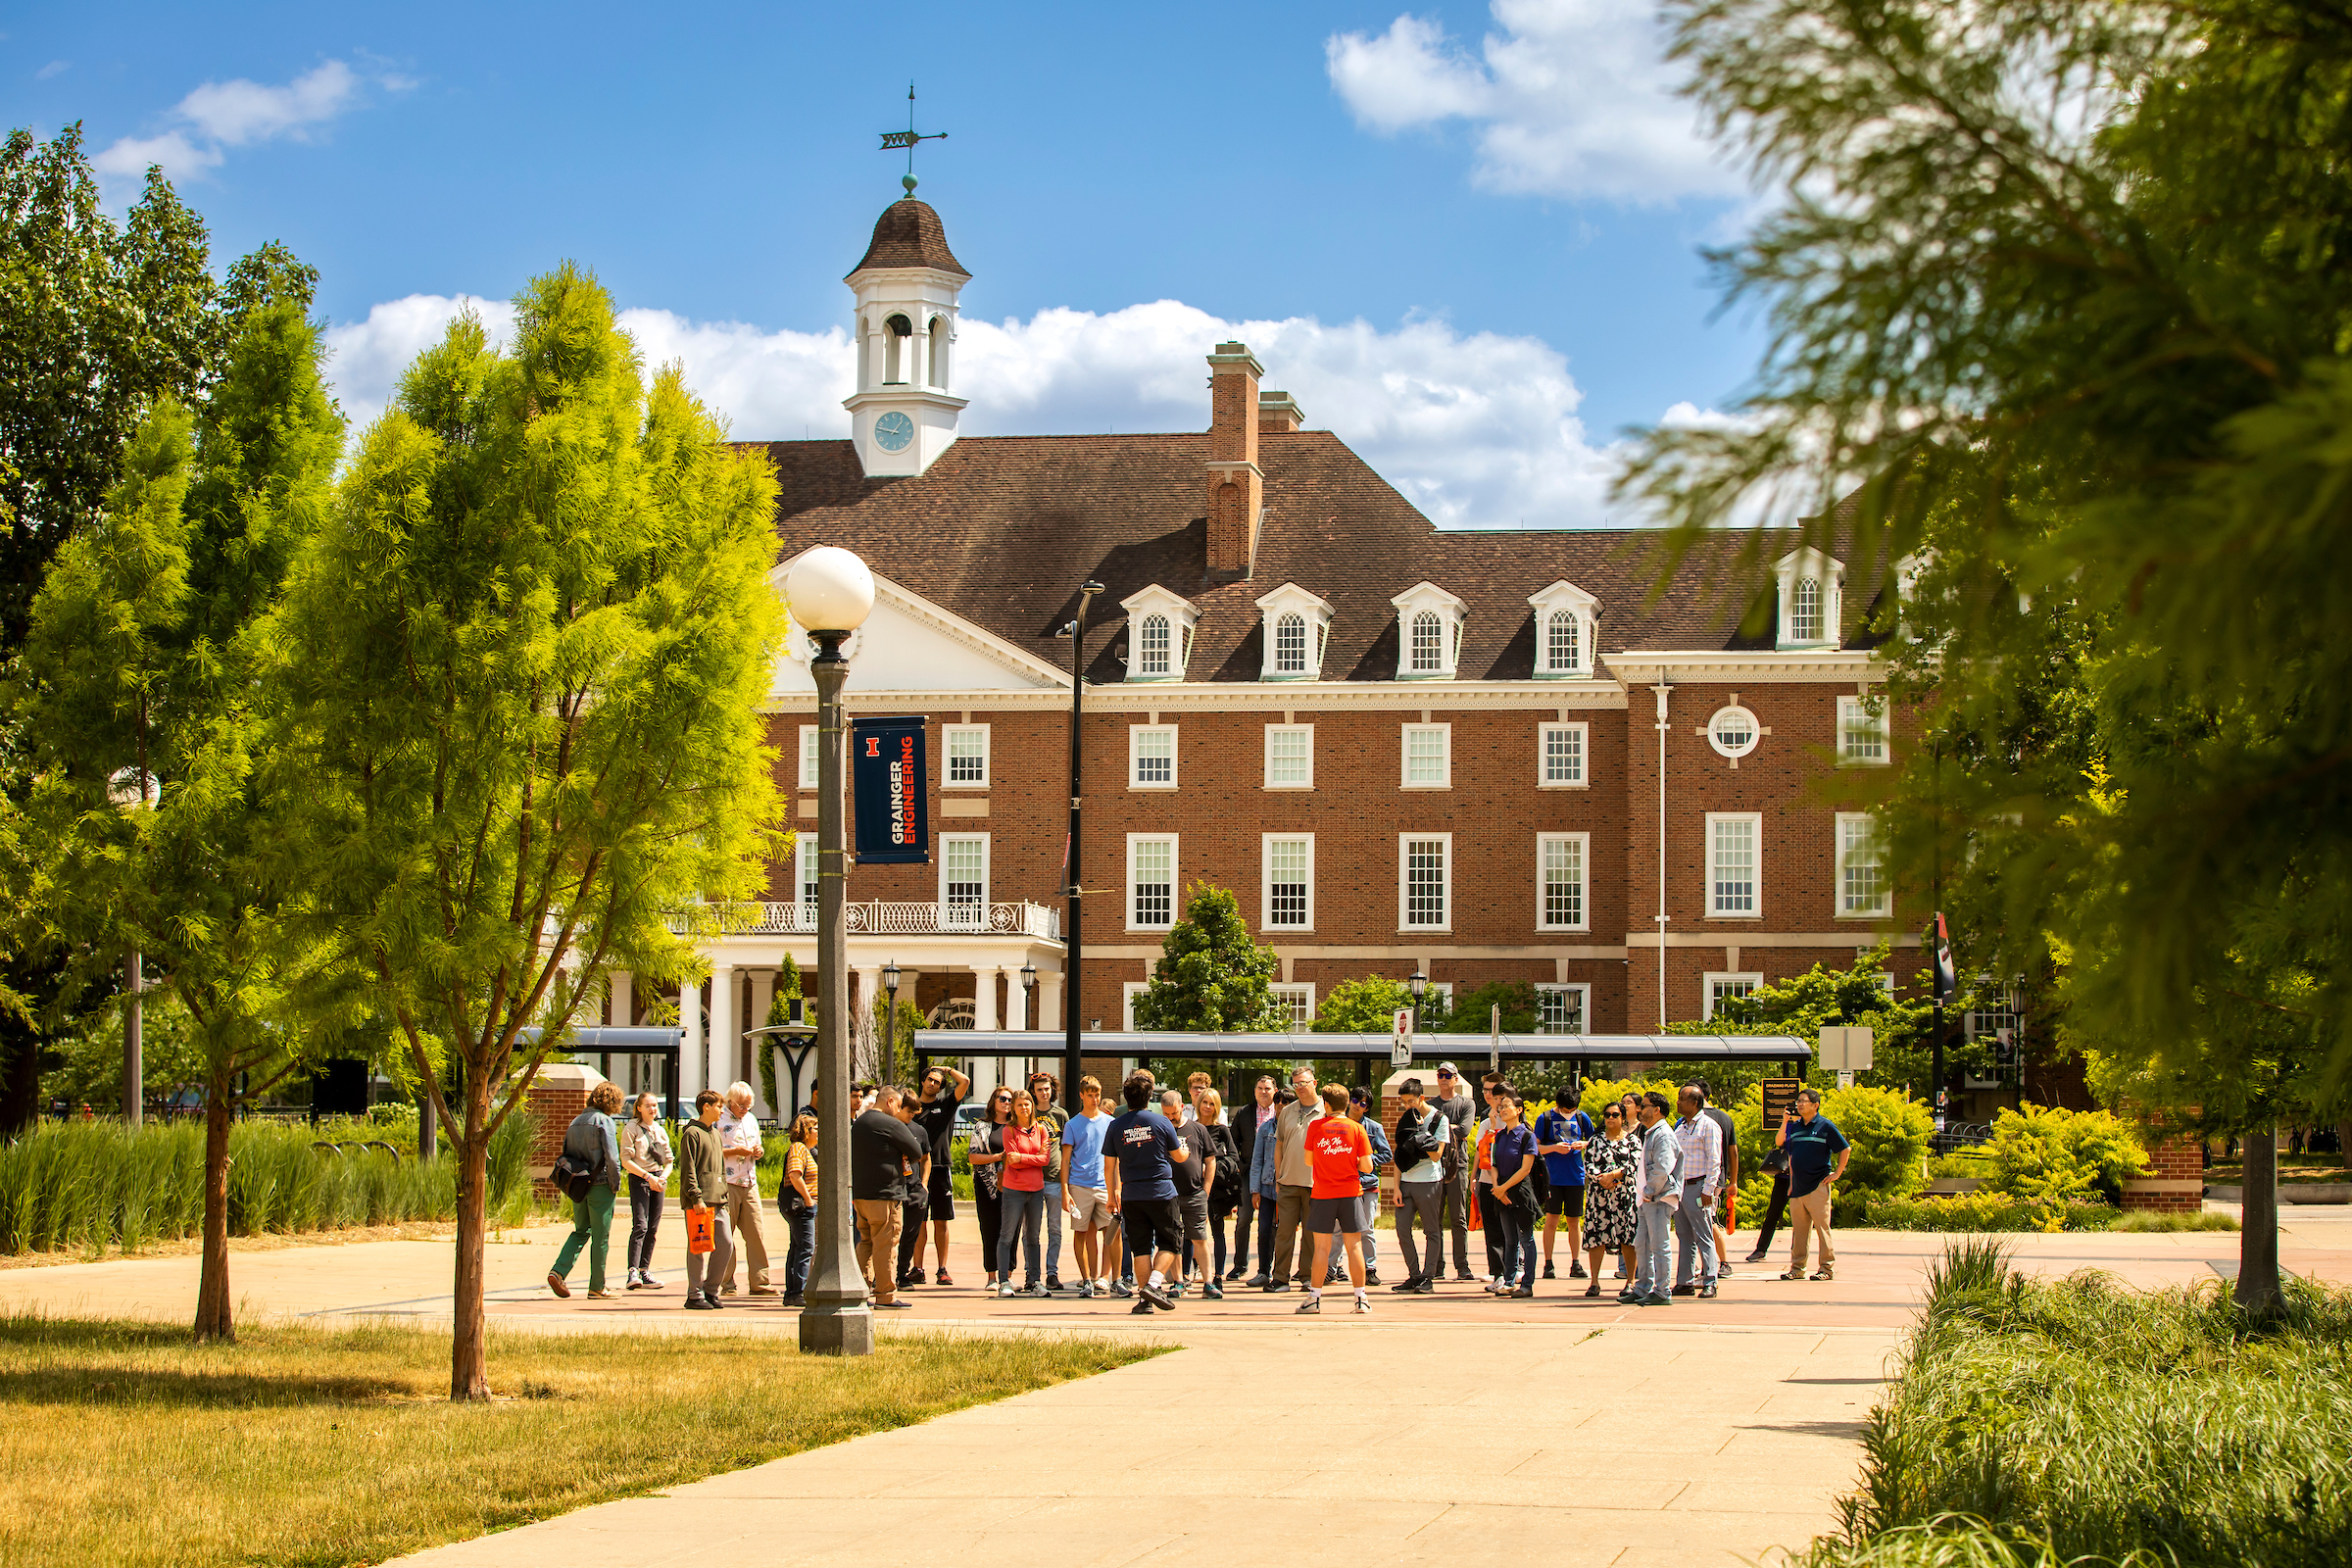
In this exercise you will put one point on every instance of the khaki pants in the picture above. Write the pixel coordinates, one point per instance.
(878, 1237)
(1293, 1248)
(743, 1217)
(1806, 1216)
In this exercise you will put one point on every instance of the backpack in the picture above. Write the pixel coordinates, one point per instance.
(571, 1176)
(1451, 1168)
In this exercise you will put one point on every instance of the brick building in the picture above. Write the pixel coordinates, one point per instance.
(1478, 755)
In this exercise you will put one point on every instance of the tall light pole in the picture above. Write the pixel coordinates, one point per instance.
(890, 1049)
(1072, 946)
(831, 594)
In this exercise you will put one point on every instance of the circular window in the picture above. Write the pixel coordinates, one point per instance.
(1733, 731)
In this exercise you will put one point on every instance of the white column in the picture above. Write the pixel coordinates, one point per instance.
(764, 995)
(984, 1010)
(620, 996)
(689, 1046)
(1016, 1000)
(1049, 1009)
(726, 1036)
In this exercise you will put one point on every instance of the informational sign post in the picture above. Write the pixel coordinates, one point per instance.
(889, 775)
(1400, 1043)
(1780, 1098)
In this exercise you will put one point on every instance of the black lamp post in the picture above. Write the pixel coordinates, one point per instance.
(831, 593)
(1418, 985)
(889, 988)
(1072, 946)
(1029, 985)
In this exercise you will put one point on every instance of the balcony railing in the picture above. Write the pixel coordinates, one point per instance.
(955, 917)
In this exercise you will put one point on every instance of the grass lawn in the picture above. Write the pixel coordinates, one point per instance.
(123, 1442)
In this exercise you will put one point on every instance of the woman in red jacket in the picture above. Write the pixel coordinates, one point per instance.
(1028, 1146)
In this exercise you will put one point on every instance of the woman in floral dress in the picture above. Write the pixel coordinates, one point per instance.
(1609, 1162)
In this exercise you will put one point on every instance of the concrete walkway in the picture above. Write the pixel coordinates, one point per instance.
(1565, 1430)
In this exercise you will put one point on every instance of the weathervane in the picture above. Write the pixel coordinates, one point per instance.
(907, 138)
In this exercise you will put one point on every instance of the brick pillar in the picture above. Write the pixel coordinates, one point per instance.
(1236, 483)
(2176, 1180)
(559, 1093)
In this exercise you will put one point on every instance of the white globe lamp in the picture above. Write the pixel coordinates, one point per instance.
(829, 590)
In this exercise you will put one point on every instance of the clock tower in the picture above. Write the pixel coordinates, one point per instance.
(903, 413)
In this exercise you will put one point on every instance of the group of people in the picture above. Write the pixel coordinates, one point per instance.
(1148, 1192)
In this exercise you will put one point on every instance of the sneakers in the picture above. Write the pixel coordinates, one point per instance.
(941, 1278)
(1363, 1307)
(1409, 1287)
(1212, 1292)
(1278, 1288)
(1312, 1306)
(1235, 1272)
(1685, 1290)
(1121, 1289)
(711, 1301)
(645, 1282)
(1723, 1271)
(1004, 1292)
(635, 1284)
(1793, 1274)
(555, 1283)
(1157, 1294)
(1140, 1310)
(1652, 1301)
(1257, 1282)
(726, 1290)
(913, 1276)
(1525, 1292)
(1053, 1285)
(795, 1299)
(1827, 1273)
(1428, 1286)
(1706, 1292)
(1462, 1276)
(1548, 1273)
(1371, 1275)
(893, 1305)
(697, 1301)
(1755, 1257)
(1085, 1290)
(1576, 1271)
(600, 1295)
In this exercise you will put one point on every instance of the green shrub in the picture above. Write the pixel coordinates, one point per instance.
(2045, 1151)
(1983, 1211)
(2085, 1419)
(1891, 1134)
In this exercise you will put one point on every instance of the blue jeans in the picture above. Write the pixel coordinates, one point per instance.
(1053, 1230)
(800, 1227)
(1694, 1231)
(1650, 1224)
(1019, 1214)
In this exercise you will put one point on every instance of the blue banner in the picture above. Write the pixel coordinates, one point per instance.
(889, 780)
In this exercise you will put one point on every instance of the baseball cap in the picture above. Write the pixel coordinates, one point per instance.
(1447, 1069)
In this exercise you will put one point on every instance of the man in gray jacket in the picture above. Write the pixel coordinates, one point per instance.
(1660, 1195)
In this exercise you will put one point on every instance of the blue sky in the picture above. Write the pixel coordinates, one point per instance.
(1466, 237)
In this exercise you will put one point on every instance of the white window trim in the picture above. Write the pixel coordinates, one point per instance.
(1285, 989)
(1404, 756)
(1565, 595)
(1183, 618)
(1584, 870)
(810, 758)
(1827, 570)
(1291, 600)
(1584, 756)
(803, 877)
(1128, 991)
(1706, 987)
(1175, 880)
(1265, 883)
(986, 869)
(1584, 1011)
(1755, 730)
(1451, 614)
(1883, 722)
(1308, 730)
(1403, 886)
(948, 733)
(1135, 755)
(1755, 819)
(1886, 905)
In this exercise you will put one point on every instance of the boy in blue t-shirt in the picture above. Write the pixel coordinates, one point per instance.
(1561, 1139)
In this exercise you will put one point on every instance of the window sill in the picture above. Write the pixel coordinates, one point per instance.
(1756, 917)
(1292, 789)
(1558, 930)
(1425, 786)
(1865, 762)
(966, 784)
(1579, 785)
(1872, 914)
(1424, 930)
(1151, 787)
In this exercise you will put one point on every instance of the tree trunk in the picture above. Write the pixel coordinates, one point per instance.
(468, 1370)
(2258, 1294)
(429, 1125)
(214, 1319)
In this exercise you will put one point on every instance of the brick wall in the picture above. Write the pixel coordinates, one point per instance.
(557, 1095)
(2176, 1178)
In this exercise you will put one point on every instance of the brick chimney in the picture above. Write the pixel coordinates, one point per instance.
(1278, 413)
(1236, 487)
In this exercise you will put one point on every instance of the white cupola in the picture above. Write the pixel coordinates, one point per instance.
(902, 414)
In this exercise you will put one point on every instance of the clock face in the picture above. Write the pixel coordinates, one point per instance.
(892, 431)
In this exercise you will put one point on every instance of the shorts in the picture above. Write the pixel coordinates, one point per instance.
(1194, 1207)
(1154, 1225)
(1566, 1202)
(1089, 1210)
(1342, 1214)
(943, 1192)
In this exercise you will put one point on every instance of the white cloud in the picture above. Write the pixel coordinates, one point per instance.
(1478, 430)
(239, 114)
(55, 67)
(1569, 97)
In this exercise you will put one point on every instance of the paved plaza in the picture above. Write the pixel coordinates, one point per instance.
(1435, 1430)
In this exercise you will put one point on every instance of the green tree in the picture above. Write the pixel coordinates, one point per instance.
(1804, 1005)
(1210, 975)
(1366, 1006)
(136, 700)
(518, 674)
(2072, 278)
(1474, 1014)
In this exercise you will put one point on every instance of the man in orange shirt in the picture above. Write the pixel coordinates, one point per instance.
(1342, 1156)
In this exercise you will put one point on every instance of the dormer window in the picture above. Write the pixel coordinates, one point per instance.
(1429, 632)
(1567, 627)
(1811, 592)
(1298, 629)
(1160, 638)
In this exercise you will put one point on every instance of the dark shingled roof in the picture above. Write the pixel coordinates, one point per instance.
(909, 234)
(1003, 529)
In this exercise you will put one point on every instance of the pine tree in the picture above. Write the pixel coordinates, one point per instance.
(1210, 975)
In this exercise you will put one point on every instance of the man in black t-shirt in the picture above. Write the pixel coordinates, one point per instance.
(1453, 1103)
(1192, 1177)
(888, 1159)
(1139, 1155)
(944, 1088)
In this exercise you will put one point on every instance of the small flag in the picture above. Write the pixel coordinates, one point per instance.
(1948, 978)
